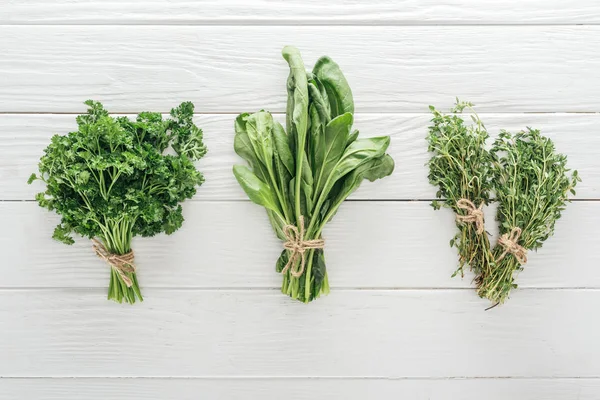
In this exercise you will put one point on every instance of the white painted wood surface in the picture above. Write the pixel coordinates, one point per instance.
(213, 325)
(274, 389)
(237, 333)
(277, 12)
(239, 68)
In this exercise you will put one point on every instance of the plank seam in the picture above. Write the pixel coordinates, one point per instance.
(369, 378)
(292, 23)
(196, 200)
(366, 113)
(277, 289)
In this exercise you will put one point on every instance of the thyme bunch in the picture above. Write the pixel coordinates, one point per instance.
(461, 168)
(532, 183)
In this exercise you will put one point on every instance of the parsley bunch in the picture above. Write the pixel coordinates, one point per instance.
(532, 184)
(111, 180)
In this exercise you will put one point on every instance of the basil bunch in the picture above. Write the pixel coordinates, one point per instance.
(302, 174)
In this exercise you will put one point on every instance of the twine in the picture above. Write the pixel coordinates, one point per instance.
(474, 214)
(297, 245)
(509, 242)
(122, 263)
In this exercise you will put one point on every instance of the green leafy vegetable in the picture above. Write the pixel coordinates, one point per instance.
(532, 184)
(462, 169)
(111, 180)
(305, 172)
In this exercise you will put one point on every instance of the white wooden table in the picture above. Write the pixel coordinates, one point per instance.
(213, 324)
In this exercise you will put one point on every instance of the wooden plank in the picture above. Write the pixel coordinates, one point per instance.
(215, 333)
(297, 389)
(239, 68)
(230, 244)
(23, 138)
(301, 12)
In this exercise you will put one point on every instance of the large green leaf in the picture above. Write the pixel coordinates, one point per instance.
(241, 141)
(358, 153)
(259, 127)
(258, 191)
(371, 170)
(297, 113)
(332, 148)
(282, 148)
(319, 115)
(319, 99)
(284, 166)
(353, 136)
(243, 147)
(334, 81)
(376, 168)
(297, 87)
(307, 186)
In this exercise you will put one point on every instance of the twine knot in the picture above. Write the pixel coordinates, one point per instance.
(509, 242)
(297, 245)
(122, 263)
(474, 214)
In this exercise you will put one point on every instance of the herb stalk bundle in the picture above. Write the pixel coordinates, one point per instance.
(532, 183)
(303, 173)
(110, 180)
(461, 168)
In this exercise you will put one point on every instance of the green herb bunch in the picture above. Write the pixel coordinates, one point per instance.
(529, 178)
(303, 173)
(461, 168)
(532, 183)
(111, 180)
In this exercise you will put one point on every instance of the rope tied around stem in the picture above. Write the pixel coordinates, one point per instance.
(122, 263)
(510, 243)
(474, 214)
(297, 245)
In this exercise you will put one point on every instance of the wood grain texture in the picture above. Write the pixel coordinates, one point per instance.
(213, 324)
(305, 389)
(231, 245)
(23, 138)
(239, 68)
(215, 333)
(270, 12)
